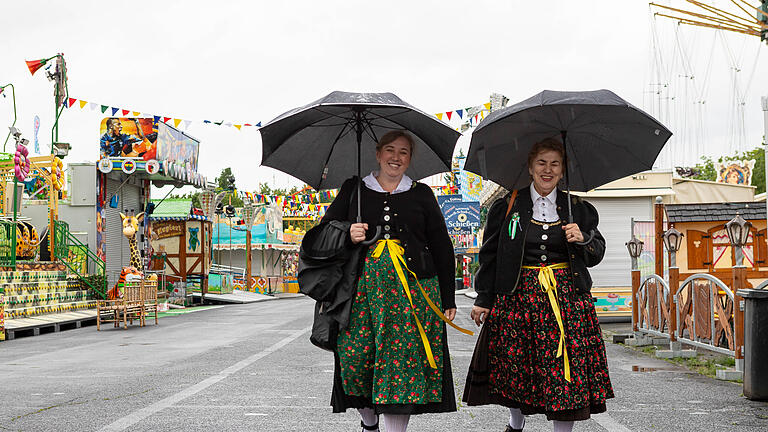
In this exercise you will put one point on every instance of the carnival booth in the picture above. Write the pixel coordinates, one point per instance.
(180, 241)
(43, 279)
(136, 153)
(272, 261)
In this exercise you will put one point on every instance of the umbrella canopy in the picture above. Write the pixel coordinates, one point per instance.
(606, 138)
(319, 142)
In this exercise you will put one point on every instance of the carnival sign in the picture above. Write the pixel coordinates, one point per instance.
(461, 217)
(166, 229)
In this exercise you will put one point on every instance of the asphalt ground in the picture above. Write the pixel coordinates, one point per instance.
(252, 368)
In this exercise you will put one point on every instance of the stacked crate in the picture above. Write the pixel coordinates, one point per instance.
(34, 293)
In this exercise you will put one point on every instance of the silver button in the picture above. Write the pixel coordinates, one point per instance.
(543, 257)
(544, 237)
(545, 227)
(386, 227)
(386, 218)
(386, 208)
(386, 236)
(543, 247)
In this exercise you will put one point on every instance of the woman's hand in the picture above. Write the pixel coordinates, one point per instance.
(450, 313)
(573, 233)
(479, 314)
(357, 232)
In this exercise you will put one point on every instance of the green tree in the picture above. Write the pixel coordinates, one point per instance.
(226, 180)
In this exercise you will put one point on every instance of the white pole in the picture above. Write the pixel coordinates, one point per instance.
(765, 149)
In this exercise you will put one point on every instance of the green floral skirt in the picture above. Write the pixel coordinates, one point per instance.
(381, 353)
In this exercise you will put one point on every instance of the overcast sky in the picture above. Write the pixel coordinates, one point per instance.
(249, 61)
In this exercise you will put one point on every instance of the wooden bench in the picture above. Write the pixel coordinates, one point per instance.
(138, 301)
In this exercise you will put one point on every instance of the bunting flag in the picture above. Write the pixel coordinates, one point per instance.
(70, 102)
(295, 201)
(471, 115)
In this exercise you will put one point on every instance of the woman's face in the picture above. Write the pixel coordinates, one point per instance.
(546, 170)
(394, 158)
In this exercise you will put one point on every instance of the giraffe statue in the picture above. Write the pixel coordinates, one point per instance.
(130, 227)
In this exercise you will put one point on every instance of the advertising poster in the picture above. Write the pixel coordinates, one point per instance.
(461, 217)
(128, 138)
(175, 146)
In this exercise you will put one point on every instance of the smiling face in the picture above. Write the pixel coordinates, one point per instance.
(394, 158)
(547, 170)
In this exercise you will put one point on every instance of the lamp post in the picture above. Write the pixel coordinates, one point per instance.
(635, 248)
(13, 96)
(673, 239)
(738, 233)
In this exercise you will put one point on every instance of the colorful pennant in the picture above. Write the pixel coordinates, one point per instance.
(72, 102)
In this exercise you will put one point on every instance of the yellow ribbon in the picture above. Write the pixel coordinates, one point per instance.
(396, 254)
(549, 286)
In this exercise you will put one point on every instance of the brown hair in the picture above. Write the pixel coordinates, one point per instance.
(391, 136)
(548, 144)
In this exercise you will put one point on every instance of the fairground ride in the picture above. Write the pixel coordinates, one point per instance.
(741, 16)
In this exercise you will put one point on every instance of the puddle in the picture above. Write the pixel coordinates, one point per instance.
(636, 368)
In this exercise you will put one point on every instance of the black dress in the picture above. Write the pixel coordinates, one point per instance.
(414, 219)
(519, 361)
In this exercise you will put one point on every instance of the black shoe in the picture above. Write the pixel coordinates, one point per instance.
(511, 429)
(374, 428)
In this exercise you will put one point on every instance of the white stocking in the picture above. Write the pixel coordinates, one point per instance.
(396, 422)
(516, 418)
(562, 426)
(368, 416)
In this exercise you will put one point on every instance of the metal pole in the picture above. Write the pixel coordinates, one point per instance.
(359, 131)
(764, 100)
(13, 96)
(658, 219)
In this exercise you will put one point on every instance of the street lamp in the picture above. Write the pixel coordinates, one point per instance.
(635, 248)
(672, 241)
(738, 233)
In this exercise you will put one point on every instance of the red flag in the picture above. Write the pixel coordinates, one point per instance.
(165, 119)
(449, 115)
(34, 65)
(125, 112)
(72, 101)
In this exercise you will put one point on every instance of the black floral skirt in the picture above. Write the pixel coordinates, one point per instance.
(516, 361)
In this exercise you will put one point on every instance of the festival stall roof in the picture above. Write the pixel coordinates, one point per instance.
(715, 212)
(174, 209)
(672, 190)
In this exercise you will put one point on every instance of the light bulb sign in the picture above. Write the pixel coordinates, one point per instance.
(461, 217)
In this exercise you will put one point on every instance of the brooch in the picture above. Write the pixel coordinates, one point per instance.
(514, 225)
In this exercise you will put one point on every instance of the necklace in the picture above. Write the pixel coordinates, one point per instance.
(545, 225)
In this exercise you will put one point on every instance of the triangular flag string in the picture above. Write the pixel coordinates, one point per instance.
(72, 102)
(472, 114)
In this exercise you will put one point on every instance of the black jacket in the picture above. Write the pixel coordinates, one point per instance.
(420, 227)
(501, 257)
(328, 268)
(328, 271)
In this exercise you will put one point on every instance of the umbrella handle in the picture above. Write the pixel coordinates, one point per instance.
(374, 239)
(591, 236)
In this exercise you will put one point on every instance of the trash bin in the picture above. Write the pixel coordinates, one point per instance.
(459, 284)
(755, 348)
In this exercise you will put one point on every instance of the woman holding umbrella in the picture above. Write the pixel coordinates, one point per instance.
(392, 358)
(540, 349)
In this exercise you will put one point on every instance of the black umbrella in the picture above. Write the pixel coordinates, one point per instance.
(321, 143)
(605, 138)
